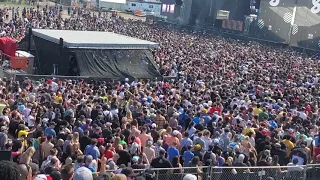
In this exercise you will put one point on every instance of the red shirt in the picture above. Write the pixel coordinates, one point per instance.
(108, 154)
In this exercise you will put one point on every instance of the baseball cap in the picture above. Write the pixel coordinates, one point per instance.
(42, 177)
(148, 121)
(4, 128)
(153, 125)
(83, 173)
(175, 132)
(128, 172)
(190, 177)
(290, 131)
(34, 168)
(278, 145)
(149, 143)
(197, 147)
(135, 158)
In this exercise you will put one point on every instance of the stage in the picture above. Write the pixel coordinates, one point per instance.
(93, 54)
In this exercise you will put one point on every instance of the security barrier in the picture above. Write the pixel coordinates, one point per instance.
(308, 172)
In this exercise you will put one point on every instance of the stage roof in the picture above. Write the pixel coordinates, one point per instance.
(93, 39)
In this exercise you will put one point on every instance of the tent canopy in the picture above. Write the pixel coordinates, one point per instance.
(97, 54)
(93, 39)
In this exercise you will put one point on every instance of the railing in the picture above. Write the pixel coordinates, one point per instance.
(308, 172)
(17, 76)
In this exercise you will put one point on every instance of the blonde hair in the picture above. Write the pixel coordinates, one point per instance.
(229, 161)
(75, 142)
(129, 115)
(206, 133)
(117, 141)
(75, 138)
(169, 130)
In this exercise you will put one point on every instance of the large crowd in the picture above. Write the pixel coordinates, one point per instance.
(233, 104)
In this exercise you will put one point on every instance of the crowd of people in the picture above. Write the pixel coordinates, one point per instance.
(233, 104)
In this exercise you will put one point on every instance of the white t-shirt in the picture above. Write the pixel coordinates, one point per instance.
(207, 142)
(54, 87)
(30, 121)
(26, 113)
(303, 115)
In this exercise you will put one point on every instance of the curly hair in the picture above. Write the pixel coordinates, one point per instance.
(9, 170)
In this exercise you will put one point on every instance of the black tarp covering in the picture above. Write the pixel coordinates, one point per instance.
(49, 54)
(117, 64)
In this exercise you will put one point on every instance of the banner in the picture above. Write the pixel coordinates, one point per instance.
(305, 30)
(274, 20)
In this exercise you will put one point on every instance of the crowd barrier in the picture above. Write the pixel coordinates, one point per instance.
(33, 77)
(308, 172)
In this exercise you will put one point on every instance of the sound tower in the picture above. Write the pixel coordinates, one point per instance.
(196, 8)
(179, 2)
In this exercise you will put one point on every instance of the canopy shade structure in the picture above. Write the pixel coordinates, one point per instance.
(93, 39)
(93, 54)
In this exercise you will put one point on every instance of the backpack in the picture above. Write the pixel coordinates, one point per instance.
(208, 159)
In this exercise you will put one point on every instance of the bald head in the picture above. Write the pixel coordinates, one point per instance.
(24, 171)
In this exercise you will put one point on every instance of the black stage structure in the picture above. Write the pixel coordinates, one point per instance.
(291, 22)
(101, 55)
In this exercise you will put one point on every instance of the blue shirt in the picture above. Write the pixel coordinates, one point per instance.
(206, 119)
(187, 157)
(182, 119)
(84, 127)
(186, 142)
(172, 152)
(196, 120)
(49, 131)
(316, 141)
(93, 151)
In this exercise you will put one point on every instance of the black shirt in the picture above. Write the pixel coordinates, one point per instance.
(138, 166)
(126, 133)
(238, 164)
(262, 163)
(84, 141)
(49, 169)
(161, 162)
(106, 132)
(124, 157)
(199, 154)
(13, 126)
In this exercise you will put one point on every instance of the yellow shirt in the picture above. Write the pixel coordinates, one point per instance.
(247, 130)
(58, 98)
(257, 111)
(23, 133)
(289, 146)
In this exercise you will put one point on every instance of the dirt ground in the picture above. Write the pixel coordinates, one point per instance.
(64, 13)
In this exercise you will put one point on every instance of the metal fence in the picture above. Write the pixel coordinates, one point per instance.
(308, 172)
(20, 76)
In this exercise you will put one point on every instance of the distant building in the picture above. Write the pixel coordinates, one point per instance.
(146, 7)
(118, 5)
